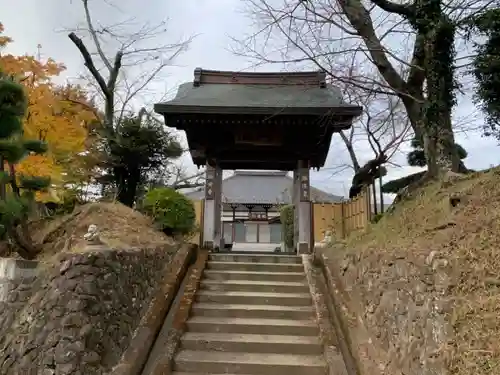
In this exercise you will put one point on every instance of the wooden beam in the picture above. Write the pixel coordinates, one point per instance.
(311, 78)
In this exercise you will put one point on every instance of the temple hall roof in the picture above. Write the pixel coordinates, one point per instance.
(300, 93)
(264, 187)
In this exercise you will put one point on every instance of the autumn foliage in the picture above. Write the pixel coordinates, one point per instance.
(57, 115)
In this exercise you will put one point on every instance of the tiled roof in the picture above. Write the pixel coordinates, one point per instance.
(262, 187)
(272, 96)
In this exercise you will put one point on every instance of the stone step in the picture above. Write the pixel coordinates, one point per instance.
(202, 324)
(255, 286)
(252, 311)
(237, 342)
(254, 275)
(248, 363)
(248, 266)
(256, 258)
(256, 298)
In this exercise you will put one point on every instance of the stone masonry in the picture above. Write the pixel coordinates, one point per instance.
(78, 316)
(16, 280)
(404, 303)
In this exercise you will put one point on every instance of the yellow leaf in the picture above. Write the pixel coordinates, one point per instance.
(58, 115)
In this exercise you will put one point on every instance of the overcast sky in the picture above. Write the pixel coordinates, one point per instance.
(214, 22)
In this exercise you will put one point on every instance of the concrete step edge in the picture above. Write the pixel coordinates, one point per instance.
(238, 258)
(295, 360)
(257, 273)
(293, 265)
(204, 292)
(236, 306)
(251, 338)
(254, 283)
(254, 321)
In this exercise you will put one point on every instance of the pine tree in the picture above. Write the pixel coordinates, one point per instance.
(415, 158)
(486, 66)
(16, 192)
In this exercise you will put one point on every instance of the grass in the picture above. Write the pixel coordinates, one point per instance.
(119, 227)
(458, 221)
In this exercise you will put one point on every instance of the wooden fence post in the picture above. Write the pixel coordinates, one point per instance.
(368, 205)
(342, 206)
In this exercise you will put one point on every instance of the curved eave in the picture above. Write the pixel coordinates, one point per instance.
(178, 110)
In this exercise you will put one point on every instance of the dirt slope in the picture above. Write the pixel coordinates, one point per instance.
(427, 278)
(119, 226)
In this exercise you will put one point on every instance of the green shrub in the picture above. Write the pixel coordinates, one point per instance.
(376, 218)
(69, 199)
(172, 211)
(287, 219)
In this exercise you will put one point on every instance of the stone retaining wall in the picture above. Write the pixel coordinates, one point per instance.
(395, 311)
(16, 280)
(81, 312)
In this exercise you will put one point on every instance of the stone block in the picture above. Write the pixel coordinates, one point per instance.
(13, 273)
(13, 269)
(303, 248)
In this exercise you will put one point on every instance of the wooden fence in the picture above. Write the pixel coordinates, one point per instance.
(341, 218)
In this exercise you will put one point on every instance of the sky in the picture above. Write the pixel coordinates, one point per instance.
(215, 25)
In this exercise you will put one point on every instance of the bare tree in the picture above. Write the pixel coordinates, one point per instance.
(395, 46)
(137, 50)
(174, 176)
(384, 126)
(121, 76)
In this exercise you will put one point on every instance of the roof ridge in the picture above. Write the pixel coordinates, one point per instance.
(242, 172)
(302, 78)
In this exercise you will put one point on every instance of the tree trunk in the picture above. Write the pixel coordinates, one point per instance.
(374, 191)
(439, 144)
(21, 234)
(26, 248)
(350, 150)
(439, 141)
(127, 185)
(13, 182)
(381, 195)
(3, 192)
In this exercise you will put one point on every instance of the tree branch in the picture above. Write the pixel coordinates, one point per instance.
(89, 63)
(405, 10)
(93, 34)
(361, 21)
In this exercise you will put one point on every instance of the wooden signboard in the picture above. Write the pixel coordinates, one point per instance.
(209, 183)
(257, 216)
(305, 194)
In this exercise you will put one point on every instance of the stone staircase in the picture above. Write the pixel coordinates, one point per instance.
(253, 315)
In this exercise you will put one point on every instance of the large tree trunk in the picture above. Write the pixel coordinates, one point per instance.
(439, 143)
(128, 182)
(440, 150)
(21, 234)
(26, 248)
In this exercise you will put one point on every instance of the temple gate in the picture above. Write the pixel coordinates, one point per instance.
(265, 121)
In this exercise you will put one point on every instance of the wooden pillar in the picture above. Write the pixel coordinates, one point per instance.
(302, 203)
(296, 203)
(212, 223)
(233, 225)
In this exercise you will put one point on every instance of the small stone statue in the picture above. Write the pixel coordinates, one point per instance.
(325, 241)
(92, 235)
